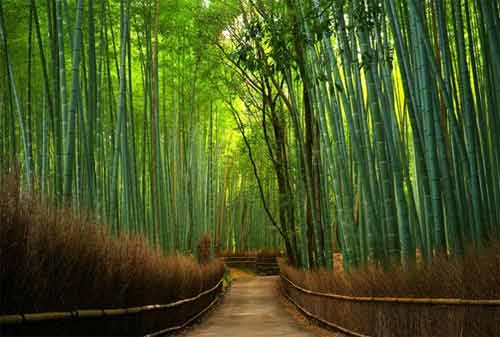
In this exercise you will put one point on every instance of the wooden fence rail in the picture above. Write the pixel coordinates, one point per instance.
(364, 316)
(262, 265)
(401, 300)
(95, 313)
(9, 322)
(312, 316)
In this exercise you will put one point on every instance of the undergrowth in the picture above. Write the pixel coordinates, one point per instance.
(54, 260)
(475, 276)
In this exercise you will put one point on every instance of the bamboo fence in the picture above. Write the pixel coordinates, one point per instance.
(101, 313)
(374, 299)
(400, 300)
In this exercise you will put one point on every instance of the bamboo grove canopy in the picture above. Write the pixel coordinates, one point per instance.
(365, 126)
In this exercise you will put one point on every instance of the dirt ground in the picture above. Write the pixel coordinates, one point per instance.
(253, 308)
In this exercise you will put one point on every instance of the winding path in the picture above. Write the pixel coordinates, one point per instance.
(250, 309)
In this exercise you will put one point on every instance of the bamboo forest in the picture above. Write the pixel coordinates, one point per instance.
(158, 158)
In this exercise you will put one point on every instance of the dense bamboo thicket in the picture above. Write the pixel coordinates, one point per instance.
(380, 119)
(360, 129)
(109, 107)
(365, 126)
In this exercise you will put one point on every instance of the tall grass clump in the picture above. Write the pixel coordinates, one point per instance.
(205, 249)
(53, 260)
(475, 276)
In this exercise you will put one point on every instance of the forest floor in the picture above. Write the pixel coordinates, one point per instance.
(252, 308)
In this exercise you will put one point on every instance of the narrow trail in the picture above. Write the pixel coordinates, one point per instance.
(250, 309)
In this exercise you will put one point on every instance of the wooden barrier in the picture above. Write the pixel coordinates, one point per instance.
(364, 316)
(134, 319)
(395, 300)
(267, 265)
(319, 319)
(262, 265)
(247, 262)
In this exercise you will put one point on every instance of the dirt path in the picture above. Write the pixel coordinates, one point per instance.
(250, 309)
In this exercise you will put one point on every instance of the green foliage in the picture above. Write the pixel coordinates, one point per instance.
(90, 122)
(367, 126)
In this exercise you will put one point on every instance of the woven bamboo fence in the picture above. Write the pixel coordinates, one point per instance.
(149, 320)
(365, 316)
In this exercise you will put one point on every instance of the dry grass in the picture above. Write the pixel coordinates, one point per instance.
(477, 276)
(53, 260)
(205, 249)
